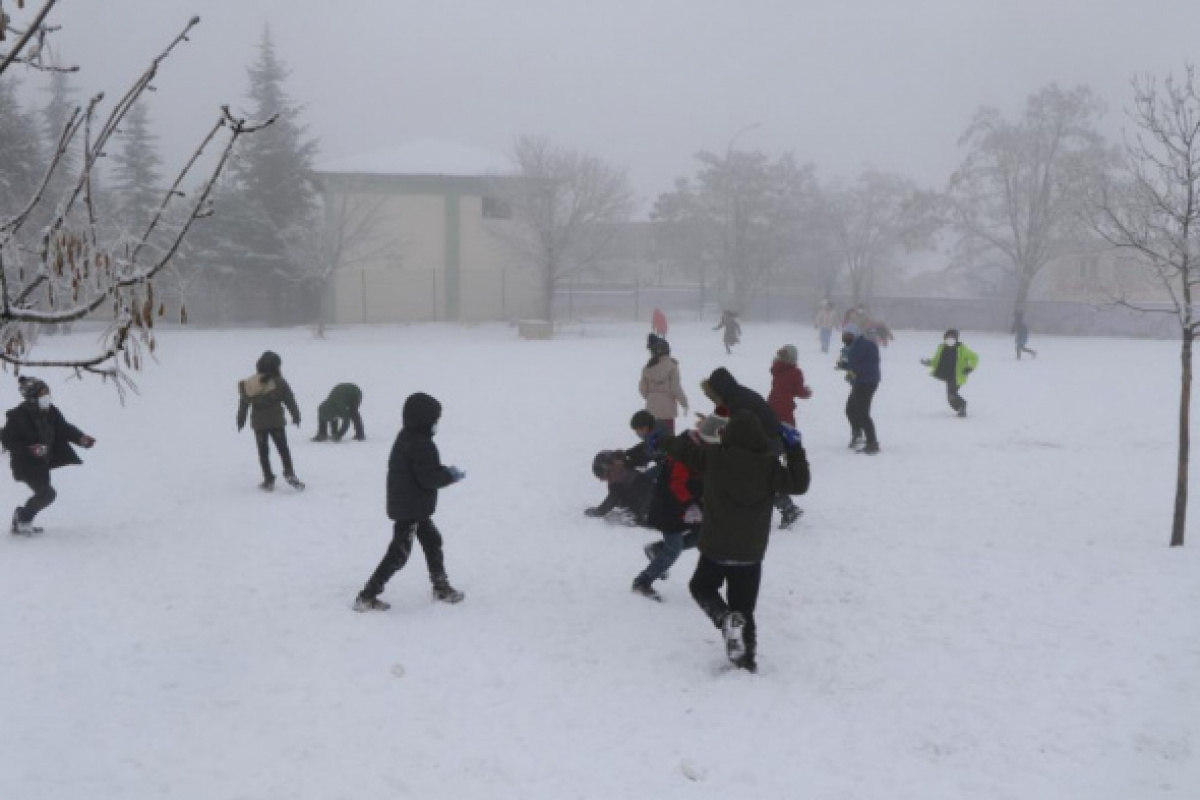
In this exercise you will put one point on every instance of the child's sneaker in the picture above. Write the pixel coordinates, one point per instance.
(22, 528)
(646, 590)
(445, 593)
(364, 603)
(294, 482)
(788, 517)
(268, 485)
(734, 627)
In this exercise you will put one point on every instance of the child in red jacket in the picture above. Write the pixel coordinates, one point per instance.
(787, 383)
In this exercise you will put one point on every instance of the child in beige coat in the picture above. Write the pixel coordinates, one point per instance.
(660, 384)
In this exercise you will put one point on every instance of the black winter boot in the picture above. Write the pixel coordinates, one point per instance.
(444, 592)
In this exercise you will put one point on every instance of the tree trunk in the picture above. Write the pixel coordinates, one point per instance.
(1181, 473)
(549, 283)
(1024, 281)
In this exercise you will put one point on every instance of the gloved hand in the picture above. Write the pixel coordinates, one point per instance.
(86, 441)
(296, 420)
(791, 436)
(240, 426)
(456, 474)
(592, 512)
(693, 514)
(968, 370)
(926, 362)
(38, 450)
(805, 392)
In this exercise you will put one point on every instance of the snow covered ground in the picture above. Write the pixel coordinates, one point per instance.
(988, 610)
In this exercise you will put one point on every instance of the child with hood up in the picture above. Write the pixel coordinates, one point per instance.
(264, 395)
(787, 383)
(741, 476)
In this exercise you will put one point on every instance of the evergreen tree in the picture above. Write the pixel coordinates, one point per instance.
(270, 193)
(55, 116)
(137, 181)
(21, 164)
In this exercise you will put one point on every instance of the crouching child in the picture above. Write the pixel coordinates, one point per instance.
(415, 474)
(741, 476)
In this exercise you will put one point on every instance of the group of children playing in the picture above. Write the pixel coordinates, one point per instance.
(415, 469)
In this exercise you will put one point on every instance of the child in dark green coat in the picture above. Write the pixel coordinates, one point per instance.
(741, 477)
(338, 412)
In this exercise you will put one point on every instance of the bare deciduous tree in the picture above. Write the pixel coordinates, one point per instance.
(354, 232)
(566, 207)
(68, 269)
(876, 216)
(1022, 188)
(1153, 214)
(742, 214)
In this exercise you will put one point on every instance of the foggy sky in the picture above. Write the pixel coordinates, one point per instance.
(643, 83)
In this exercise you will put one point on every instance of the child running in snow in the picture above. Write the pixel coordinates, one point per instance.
(953, 362)
(38, 439)
(787, 383)
(264, 395)
(415, 474)
(741, 475)
(338, 412)
(733, 330)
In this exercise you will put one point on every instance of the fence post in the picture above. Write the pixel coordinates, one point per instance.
(504, 293)
(570, 301)
(362, 275)
(433, 286)
(637, 299)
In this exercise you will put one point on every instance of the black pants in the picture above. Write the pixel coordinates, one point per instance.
(43, 495)
(338, 426)
(401, 548)
(742, 582)
(858, 411)
(953, 397)
(279, 436)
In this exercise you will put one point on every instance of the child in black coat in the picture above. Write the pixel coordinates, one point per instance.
(415, 474)
(38, 439)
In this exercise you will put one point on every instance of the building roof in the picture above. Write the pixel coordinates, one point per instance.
(422, 157)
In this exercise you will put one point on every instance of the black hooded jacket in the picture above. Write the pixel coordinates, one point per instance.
(736, 397)
(28, 425)
(415, 471)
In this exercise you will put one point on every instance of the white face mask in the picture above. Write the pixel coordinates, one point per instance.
(433, 429)
(951, 342)
(44, 401)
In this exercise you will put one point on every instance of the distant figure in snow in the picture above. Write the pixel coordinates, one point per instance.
(1021, 329)
(658, 324)
(825, 321)
(856, 316)
(264, 395)
(860, 360)
(733, 329)
(338, 412)
(38, 439)
(787, 384)
(953, 362)
(660, 384)
(415, 475)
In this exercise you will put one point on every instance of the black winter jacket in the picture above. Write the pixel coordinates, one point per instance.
(415, 471)
(28, 425)
(736, 397)
(676, 488)
(741, 478)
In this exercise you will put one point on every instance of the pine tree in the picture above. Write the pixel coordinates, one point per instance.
(21, 163)
(273, 191)
(137, 181)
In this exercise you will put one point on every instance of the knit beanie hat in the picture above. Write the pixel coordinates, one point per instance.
(787, 354)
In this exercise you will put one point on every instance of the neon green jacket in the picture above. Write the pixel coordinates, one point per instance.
(968, 359)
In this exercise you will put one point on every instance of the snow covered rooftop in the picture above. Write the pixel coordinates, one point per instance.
(423, 157)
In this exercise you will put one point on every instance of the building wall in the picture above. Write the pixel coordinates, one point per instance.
(449, 264)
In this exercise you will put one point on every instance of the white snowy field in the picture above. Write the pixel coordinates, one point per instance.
(988, 610)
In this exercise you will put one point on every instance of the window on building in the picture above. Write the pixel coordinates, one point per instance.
(495, 208)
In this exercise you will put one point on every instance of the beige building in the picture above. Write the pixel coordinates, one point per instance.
(422, 231)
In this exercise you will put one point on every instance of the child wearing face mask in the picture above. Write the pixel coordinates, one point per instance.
(952, 363)
(38, 439)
